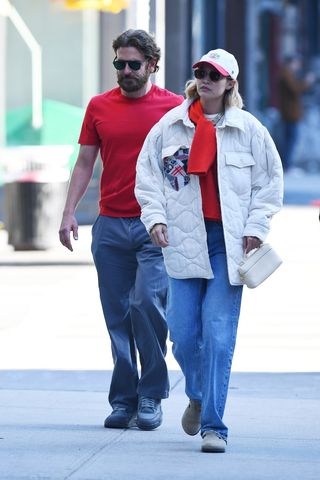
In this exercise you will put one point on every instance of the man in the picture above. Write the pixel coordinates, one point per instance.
(131, 275)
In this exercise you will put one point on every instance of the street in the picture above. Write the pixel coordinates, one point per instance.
(51, 318)
(56, 367)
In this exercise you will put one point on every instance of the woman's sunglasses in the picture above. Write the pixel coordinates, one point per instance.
(213, 75)
(121, 64)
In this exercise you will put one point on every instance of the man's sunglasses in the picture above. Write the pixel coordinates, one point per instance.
(213, 75)
(121, 64)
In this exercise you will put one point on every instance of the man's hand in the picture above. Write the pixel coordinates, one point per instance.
(68, 224)
(159, 235)
(249, 243)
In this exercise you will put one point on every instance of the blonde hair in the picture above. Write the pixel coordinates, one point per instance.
(232, 97)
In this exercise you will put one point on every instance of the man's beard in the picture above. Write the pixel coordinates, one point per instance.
(132, 84)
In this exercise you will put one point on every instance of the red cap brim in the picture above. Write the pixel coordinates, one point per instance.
(215, 65)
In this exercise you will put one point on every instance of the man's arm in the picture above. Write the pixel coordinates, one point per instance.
(79, 182)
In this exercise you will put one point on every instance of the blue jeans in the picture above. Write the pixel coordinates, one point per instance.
(203, 319)
(133, 292)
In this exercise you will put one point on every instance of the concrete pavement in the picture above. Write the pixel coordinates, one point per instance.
(55, 368)
(51, 428)
(50, 303)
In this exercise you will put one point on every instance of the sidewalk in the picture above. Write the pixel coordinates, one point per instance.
(50, 303)
(51, 428)
(55, 367)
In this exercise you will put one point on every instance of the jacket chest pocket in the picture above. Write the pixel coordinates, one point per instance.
(175, 162)
(239, 159)
(238, 169)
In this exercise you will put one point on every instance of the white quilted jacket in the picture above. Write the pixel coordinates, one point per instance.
(250, 185)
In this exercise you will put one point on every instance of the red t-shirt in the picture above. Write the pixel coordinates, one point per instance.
(119, 125)
(210, 194)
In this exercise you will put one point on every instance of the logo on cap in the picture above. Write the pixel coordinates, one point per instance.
(214, 55)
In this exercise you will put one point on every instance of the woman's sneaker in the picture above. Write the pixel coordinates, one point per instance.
(212, 442)
(191, 419)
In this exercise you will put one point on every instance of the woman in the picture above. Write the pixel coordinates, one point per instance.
(209, 179)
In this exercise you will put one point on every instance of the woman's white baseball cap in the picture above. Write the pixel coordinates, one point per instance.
(221, 60)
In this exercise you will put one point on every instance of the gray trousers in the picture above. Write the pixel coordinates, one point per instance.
(133, 292)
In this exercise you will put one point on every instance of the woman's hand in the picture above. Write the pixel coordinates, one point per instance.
(250, 243)
(159, 235)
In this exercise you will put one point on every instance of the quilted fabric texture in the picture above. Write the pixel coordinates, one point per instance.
(250, 184)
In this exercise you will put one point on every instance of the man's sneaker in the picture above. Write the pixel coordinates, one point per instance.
(212, 442)
(191, 419)
(149, 414)
(120, 417)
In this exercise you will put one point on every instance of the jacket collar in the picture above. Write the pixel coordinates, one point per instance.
(180, 114)
(232, 118)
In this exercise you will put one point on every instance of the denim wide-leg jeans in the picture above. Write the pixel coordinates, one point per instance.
(203, 319)
(133, 292)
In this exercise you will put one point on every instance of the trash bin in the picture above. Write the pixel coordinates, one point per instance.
(36, 179)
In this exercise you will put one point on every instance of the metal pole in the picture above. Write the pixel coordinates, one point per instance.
(36, 59)
(161, 40)
(91, 55)
(198, 23)
(252, 55)
(2, 81)
(138, 14)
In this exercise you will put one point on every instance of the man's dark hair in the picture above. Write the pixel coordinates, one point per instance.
(142, 41)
